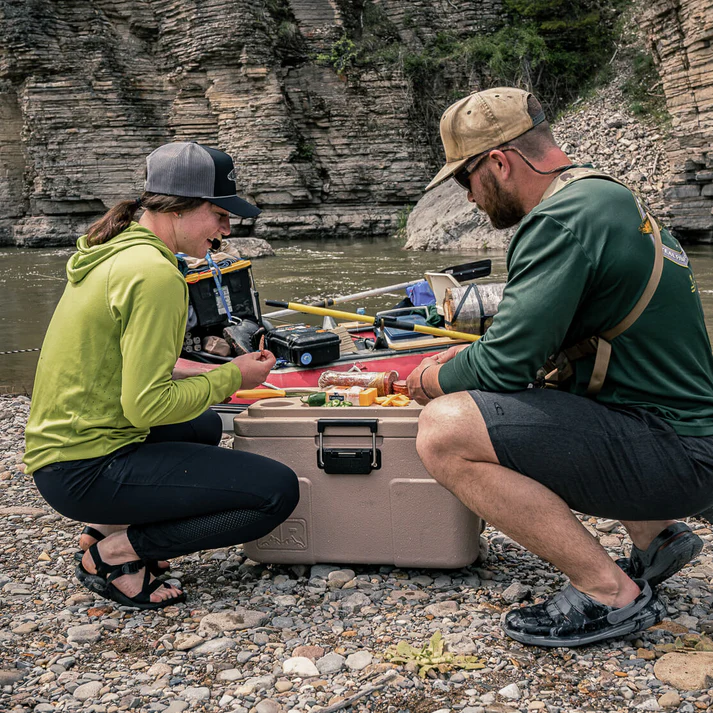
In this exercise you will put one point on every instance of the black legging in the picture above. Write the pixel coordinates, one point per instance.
(178, 490)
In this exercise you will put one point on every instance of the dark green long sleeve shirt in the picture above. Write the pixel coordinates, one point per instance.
(577, 265)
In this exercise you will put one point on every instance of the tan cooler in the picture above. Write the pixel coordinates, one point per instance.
(365, 497)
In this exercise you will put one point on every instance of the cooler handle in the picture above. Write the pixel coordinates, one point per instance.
(371, 423)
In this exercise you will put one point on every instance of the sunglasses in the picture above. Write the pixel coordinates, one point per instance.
(462, 177)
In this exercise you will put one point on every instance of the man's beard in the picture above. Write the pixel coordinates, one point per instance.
(501, 207)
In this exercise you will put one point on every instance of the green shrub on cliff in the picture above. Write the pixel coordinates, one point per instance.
(282, 26)
(341, 57)
(553, 47)
(643, 87)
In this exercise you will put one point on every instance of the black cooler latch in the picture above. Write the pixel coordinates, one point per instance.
(348, 461)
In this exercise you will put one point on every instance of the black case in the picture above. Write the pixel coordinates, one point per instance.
(207, 303)
(303, 345)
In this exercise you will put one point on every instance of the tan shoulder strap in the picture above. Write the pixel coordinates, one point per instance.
(601, 361)
(602, 343)
(575, 174)
(650, 288)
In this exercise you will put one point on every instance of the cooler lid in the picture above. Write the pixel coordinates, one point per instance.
(286, 418)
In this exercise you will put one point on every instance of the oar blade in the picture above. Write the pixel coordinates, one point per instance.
(469, 270)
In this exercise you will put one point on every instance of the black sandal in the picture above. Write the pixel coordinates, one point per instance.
(571, 618)
(152, 565)
(670, 551)
(101, 582)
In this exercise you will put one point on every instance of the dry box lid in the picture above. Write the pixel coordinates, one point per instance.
(289, 417)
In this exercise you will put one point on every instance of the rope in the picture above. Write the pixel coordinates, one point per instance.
(21, 351)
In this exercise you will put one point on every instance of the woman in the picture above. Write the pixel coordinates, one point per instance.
(112, 438)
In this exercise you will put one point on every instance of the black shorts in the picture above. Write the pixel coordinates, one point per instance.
(624, 464)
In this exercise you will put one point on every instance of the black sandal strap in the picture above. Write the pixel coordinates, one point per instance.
(103, 569)
(148, 587)
(93, 532)
(109, 591)
(119, 570)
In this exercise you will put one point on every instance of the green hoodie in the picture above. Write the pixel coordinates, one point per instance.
(104, 374)
(576, 266)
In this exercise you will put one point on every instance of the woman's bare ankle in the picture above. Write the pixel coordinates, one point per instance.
(116, 549)
(113, 549)
(86, 540)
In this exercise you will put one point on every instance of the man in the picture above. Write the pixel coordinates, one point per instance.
(639, 449)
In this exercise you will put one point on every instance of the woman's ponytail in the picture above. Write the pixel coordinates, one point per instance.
(113, 222)
(118, 218)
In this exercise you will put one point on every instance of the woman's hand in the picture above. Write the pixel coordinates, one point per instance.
(254, 367)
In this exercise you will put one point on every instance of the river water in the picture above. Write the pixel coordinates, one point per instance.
(31, 283)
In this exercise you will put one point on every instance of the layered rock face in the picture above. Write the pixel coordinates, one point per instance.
(681, 36)
(88, 89)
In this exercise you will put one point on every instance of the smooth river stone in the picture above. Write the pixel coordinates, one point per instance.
(692, 671)
(299, 666)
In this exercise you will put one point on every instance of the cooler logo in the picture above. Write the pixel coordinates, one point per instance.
(291, 535)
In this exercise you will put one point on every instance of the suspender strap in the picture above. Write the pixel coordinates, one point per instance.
(601, 361)
(648, 292)
(601, 364)
(582, 349)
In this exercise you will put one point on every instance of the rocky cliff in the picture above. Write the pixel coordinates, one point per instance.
(600, 130)
(87, 89)
(680, 33)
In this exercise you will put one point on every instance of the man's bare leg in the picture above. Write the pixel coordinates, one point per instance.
(455, 447)
(643, 532)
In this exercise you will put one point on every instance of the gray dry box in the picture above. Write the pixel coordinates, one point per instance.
(365, 497)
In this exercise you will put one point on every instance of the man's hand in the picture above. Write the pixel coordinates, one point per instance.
(254, 367)
(423, 381)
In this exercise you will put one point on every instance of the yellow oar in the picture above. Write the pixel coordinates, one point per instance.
(388, 321)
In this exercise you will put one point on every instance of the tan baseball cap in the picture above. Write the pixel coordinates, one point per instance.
(481, 122)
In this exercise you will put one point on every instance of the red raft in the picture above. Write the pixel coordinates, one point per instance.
(389, 353)
(403, 361)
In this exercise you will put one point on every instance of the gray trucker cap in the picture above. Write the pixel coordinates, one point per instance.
(191, 170)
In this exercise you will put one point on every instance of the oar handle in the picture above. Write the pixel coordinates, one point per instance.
(346, 298)
(423, 329)
(323, 312)
(391, 321)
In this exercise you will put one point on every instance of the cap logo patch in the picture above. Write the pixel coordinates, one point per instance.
(232, 176)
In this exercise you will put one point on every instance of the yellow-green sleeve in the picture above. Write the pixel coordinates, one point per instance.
(152, 308)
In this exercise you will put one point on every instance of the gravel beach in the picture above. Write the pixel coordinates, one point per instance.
(270, 639)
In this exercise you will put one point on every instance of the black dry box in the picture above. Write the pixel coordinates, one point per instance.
(303, 345)
(237, 288)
